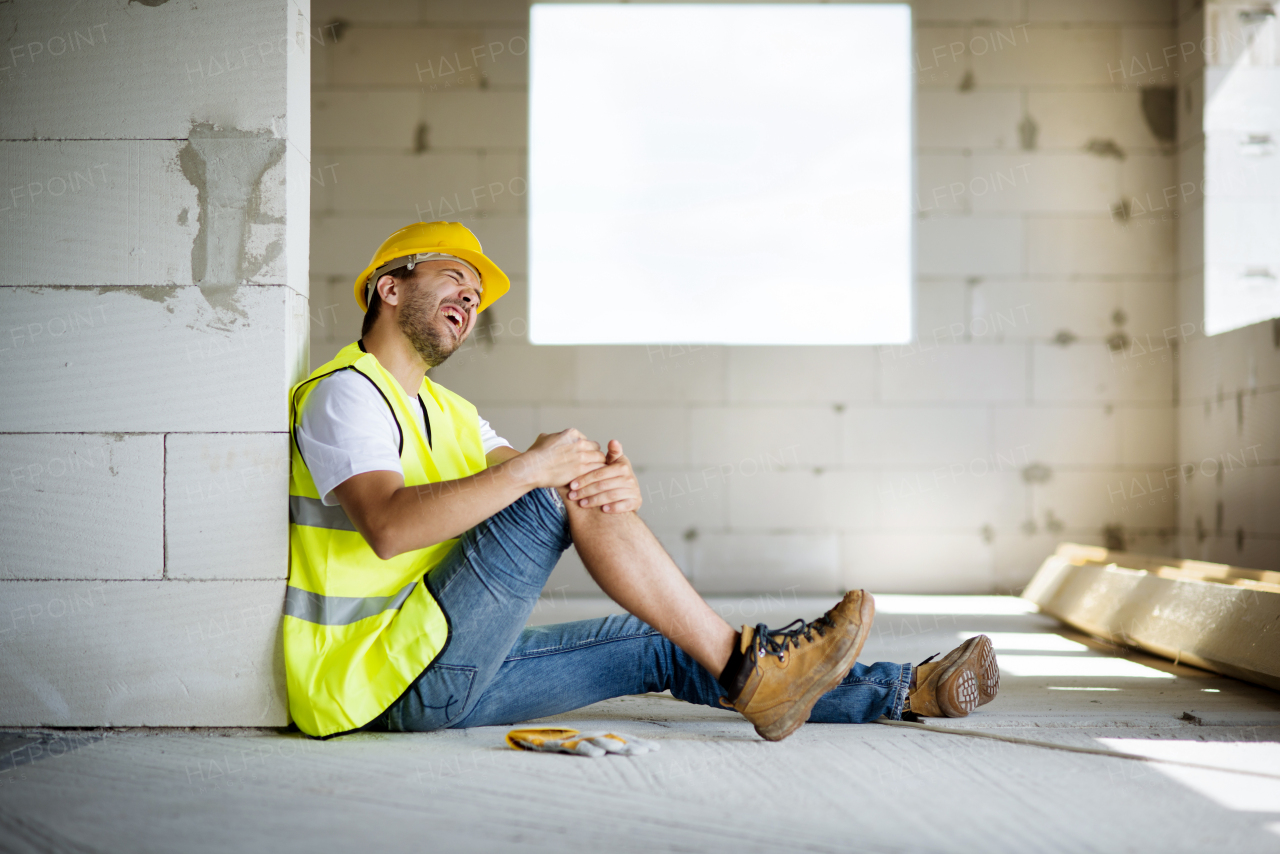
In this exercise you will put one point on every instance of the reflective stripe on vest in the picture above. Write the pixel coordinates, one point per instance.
(314, 513)
(340, 610)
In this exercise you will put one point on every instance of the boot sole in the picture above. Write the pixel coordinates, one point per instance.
(988, 671)
(783, 727)
(957, 699)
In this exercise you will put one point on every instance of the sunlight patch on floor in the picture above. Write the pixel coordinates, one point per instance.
(1039, 641)
(995, 606)
(1235, 791)
(1075, 665)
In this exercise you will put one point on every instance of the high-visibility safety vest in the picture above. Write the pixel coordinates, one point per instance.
(359, 630)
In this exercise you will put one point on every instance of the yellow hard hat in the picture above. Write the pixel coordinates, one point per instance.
(448, 238)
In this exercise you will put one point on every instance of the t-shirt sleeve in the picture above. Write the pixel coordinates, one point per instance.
(490, 439)
(347, 429)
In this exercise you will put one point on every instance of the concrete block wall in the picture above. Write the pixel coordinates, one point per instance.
(1229, 448)
(154, 185)
(1042, 383)
(1229, 394)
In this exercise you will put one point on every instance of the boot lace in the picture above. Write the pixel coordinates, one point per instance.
(775, 641)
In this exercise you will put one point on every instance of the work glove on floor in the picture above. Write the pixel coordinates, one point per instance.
(593, 744)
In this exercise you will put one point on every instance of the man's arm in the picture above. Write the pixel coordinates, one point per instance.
(500, 455)
(394, 518)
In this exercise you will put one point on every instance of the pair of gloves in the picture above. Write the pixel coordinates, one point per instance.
(593, 744)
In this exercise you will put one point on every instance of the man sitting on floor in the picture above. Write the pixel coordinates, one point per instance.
(420, 541)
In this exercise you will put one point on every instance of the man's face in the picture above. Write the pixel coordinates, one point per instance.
(437, 308)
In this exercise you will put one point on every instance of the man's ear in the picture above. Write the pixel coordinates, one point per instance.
(388, 289)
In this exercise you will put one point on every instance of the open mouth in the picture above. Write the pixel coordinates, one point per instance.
(456, 317)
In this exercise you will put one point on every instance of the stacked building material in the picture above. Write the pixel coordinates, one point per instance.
(1211, 615)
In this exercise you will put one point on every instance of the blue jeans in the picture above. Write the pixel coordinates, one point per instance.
(494, 671)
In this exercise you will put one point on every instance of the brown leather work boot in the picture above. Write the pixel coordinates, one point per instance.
(788, 670)
(965, 678)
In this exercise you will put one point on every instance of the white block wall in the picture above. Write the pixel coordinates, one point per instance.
(153, 290)
(955, 464)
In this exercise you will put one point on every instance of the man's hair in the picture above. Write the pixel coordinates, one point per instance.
(375, 299)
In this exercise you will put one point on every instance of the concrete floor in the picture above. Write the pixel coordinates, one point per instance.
(714, 786)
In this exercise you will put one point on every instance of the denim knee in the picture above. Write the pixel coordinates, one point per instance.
(517, 547)
(539, 514)
(546, 508)
(558, 501)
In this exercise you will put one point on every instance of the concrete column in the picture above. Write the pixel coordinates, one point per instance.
(1190, 128)
(154, 195)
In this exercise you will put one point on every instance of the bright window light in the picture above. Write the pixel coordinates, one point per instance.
(726, 174)
(1077, 665)
(1240, 188)
(1235, 791)
(1029, 640)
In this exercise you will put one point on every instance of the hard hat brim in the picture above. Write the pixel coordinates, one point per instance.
(494, 282)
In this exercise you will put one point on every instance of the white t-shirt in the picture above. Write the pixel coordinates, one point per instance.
(347, 429)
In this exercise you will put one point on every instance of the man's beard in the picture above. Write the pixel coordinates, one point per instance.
(417, 321)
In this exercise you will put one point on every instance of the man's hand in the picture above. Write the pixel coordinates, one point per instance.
(554, 459)
(613, 487)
